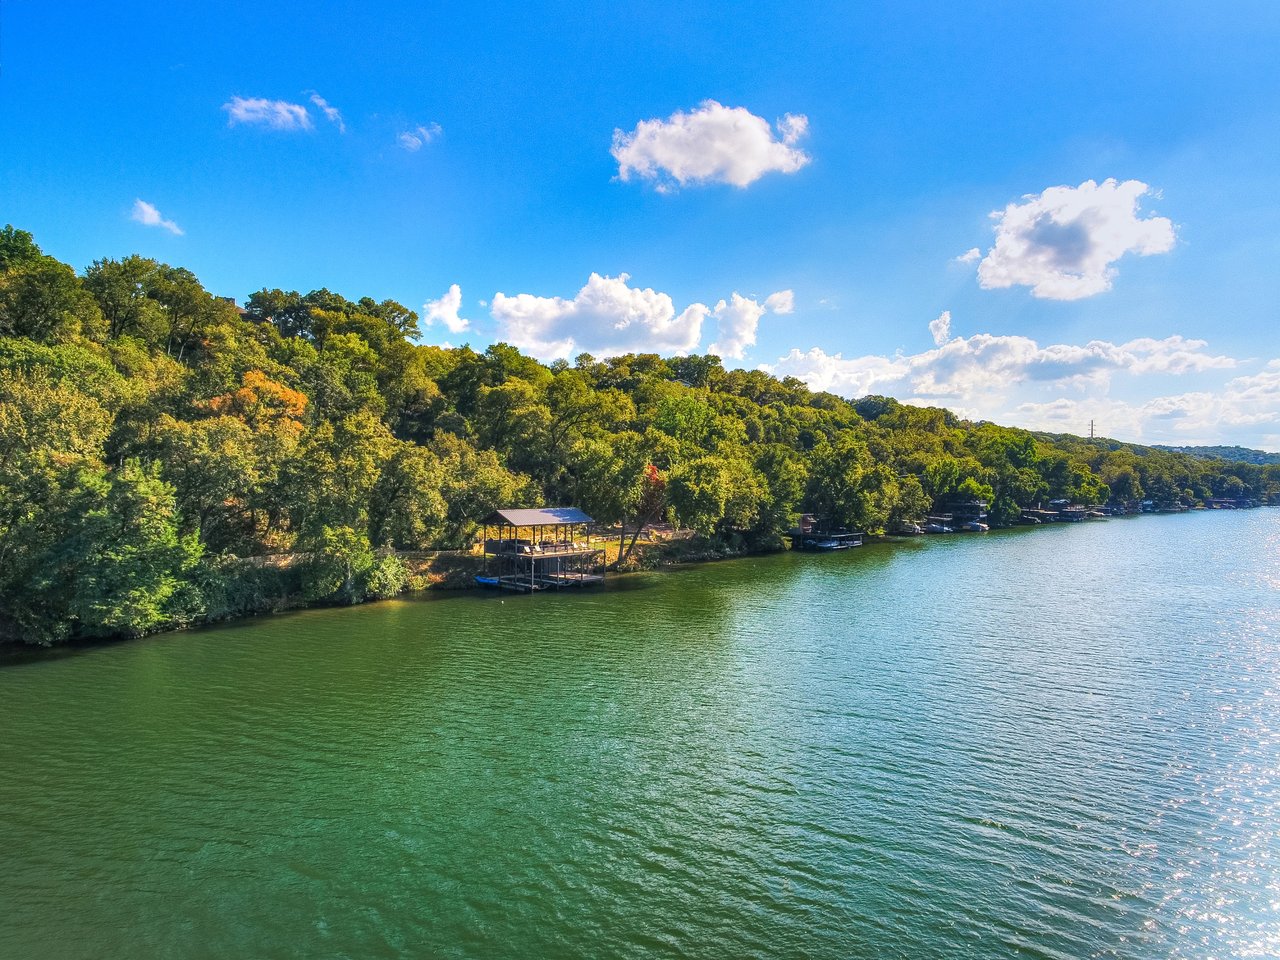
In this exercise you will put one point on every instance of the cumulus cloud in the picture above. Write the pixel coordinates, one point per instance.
(738, 319)
(1061, 387)
(445, 311)
(1062, 243)
(736, 323)
(1243, 409)
(712, 144)
(969, 256)
(147, 215)
(940, 328)
(331, 112)
(784, 301)
(606, 318)
(966, 369)
(261, 112)
(417, 138)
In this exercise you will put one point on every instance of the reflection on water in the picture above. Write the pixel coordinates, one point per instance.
(1057, 742)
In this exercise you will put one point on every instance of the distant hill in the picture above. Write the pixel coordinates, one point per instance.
(1239, 454)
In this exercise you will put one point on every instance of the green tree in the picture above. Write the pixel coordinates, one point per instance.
(406, 509)
(126, 563)
(339, 562)
(43, 300)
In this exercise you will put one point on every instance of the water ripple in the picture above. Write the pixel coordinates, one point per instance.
(1059, 743)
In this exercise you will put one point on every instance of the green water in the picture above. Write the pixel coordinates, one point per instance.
(1047, 743)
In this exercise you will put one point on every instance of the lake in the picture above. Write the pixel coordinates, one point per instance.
(1059, 742)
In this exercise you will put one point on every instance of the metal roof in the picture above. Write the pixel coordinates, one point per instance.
(545, 517)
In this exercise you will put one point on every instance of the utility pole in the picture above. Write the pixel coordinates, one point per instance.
(1090, 429)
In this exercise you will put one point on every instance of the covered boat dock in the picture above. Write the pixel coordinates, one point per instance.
(549, 548)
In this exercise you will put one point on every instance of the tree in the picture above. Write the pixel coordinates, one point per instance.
(184, 303)
(338, 566)
(260, 400)
(43, 300)
(913, 503)
(716, 495)
(126, 563)
(49, 433)
(120, 288)
(213, 466)
(406, 508)
(841, 483)
(333, 478)
(474, 484)
(783, 476)
(17, 248)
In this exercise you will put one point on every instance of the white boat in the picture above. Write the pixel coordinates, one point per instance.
(976, 526)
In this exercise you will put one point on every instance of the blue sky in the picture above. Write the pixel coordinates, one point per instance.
(826, 165)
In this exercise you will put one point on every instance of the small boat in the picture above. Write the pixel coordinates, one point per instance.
(937, 528)
(907, 528)
(975, 526)
(487, 581)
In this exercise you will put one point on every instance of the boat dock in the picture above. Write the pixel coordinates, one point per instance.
(812, 534)
(540, 549)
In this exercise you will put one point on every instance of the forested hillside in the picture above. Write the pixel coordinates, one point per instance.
(1239, 454)
(156, 442)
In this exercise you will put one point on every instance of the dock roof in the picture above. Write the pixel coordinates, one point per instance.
(541, 517)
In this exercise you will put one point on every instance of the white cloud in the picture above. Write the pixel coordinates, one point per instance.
(855, 377)
(736, 323)
(712, 144)
(331, 112)
(940, 328)
(445, 310)
(782, 302)
(1062, 243)
(1061, 387)
(605, 318)
(738, 319)
(793, 127)
(149, 216)
(417, 138)
(1239, 412)
(969, 256)
(984, 367)
(261, 112)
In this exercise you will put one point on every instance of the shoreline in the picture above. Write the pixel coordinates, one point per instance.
(459, 582)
